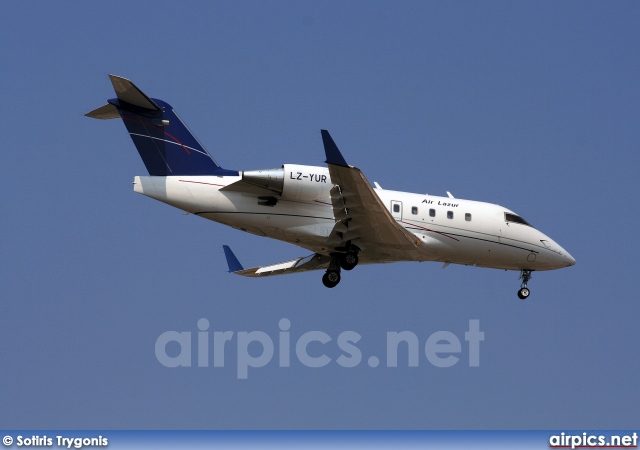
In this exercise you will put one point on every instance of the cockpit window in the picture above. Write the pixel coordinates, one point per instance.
(517, 219)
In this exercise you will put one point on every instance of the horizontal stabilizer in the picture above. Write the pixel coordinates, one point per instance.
(105, 112)
(129, 93)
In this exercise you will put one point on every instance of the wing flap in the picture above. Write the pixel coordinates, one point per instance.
(360, 214)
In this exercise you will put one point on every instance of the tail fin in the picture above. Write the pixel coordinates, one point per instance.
(166, 146)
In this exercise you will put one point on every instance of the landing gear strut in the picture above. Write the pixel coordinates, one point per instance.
(525, 276)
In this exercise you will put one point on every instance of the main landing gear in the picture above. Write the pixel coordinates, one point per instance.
(346, 261)
(349, 260)
(331, 278)
(525, 276)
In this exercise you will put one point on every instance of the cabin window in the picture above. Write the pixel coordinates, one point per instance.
(396, 208)
(432, 213)
(508, 217)
(414, 210)
(449, 214)
(467, 217)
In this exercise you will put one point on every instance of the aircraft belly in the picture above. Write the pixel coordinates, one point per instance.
(302, 224)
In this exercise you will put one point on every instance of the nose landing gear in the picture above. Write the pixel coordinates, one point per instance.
(525, 276)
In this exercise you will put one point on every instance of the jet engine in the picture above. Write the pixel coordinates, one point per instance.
(293, 181)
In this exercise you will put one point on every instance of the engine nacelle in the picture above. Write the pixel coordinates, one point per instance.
(293, 181)
(306, 183)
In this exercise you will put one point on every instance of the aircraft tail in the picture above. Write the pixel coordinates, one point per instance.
(166, 145)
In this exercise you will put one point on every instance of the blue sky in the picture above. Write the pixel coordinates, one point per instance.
(533, 106)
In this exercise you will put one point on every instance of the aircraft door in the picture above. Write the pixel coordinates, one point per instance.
(396, 209)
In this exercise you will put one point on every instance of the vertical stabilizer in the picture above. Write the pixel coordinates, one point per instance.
(165, 144)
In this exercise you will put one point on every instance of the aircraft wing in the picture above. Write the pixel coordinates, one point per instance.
(361, 217)
(311, 262)
(361, 220)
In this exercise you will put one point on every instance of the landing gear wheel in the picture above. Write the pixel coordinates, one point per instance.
(523, 293)
(349, 261)
(525, 276)
(331, 278)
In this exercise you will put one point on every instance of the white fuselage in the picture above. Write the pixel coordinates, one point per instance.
(452, 230)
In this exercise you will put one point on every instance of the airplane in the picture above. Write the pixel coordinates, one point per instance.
(331, 211)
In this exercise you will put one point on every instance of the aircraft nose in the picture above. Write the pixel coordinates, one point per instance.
(559, 257)
(565, 257)
(570, 259)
